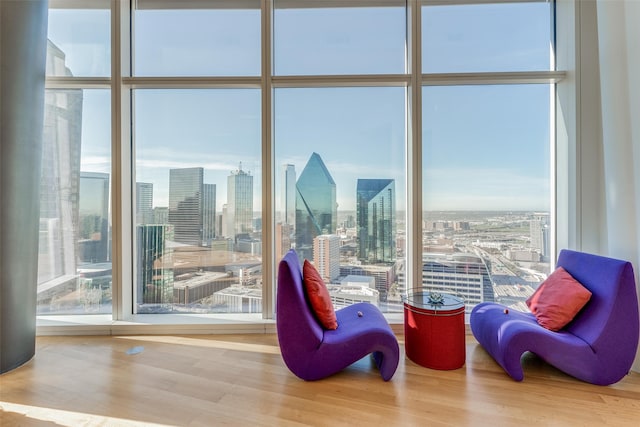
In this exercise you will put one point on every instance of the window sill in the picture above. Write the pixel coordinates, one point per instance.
(167, 324)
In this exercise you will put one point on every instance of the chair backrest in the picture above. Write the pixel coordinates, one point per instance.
(609, 321)
(299, 333)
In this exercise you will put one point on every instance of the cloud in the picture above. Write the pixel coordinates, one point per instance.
(480, 189)
(95, 164)
(163, 158)
(177, 164)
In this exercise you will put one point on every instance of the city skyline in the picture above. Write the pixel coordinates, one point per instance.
(340, 152)
(475, 183)
(288, 172)
(498, 159)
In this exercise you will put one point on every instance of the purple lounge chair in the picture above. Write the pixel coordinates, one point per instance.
(598, 346)
(310, 351)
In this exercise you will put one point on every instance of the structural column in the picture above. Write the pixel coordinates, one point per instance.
(619, 64)
(23, 41)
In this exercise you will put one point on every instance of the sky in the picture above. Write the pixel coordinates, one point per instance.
(484, 147)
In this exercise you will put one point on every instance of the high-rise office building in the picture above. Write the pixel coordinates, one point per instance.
(376, 219)
(155, 264)
(384, 275)
(283, 234)
(539, 233)
(344, 295)
(60, 177)
(160, 215)
(226, 223)
(144, 203)
(286, 226)
(208, 213)
(462, 274)
(185, 204)
(239, 203)
(289, 195)
(93, 239)
(316, 205)
(326, 256)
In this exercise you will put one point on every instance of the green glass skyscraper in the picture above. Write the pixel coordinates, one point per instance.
(155, 264)
(316, 206)
(376, 218)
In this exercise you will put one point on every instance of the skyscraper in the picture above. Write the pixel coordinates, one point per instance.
(289, 195)
(326, 256)
(239, 202)
(144, 203)
(316, 207)
(539, 233)
(283, 233)
(208, 213)
(226, 228)
(185, 204)
(155, 265)
(285, 228)
(376, 218)
(60, 179)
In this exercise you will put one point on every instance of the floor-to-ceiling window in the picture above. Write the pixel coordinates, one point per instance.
(252, 127)
(197, 163)
(486, 147)
(74, 262)
(339, 125)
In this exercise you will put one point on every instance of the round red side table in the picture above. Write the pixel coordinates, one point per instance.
(434, 331)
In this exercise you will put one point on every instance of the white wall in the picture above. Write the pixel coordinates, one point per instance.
(619, 67)
(598, 130)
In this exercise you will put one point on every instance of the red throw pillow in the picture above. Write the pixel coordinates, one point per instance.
(558, 299)
(319, 296)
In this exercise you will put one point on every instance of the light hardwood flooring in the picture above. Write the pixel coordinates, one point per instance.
(241, 380)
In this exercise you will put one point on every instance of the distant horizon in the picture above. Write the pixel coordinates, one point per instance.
(441, 210)
(478, 211)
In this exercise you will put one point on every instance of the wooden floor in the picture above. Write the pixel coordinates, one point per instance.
(241, 380)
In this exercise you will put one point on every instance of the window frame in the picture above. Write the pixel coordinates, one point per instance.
(121, 83)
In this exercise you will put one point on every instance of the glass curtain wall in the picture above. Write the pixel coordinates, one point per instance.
(292, 119)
